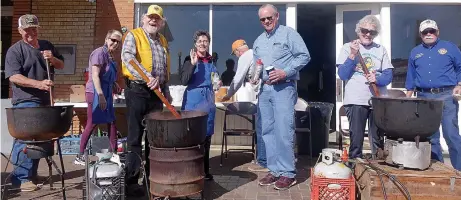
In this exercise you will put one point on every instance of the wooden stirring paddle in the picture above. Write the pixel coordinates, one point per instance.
(49, 78)
(365, 70)
(157, 91)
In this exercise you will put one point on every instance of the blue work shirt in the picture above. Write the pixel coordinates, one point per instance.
(284, 49)
(434, 66)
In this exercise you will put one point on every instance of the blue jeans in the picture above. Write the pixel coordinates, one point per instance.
(28, 168)
(260, 146)
(450, 128)
(276, 105)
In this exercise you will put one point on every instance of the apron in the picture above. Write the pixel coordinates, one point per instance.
(199, 94)
(107, 81)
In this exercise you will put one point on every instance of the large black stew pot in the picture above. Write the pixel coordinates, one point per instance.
(407, 118)
(39, 123)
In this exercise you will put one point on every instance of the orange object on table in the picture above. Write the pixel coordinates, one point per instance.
(157, 91)
(221, 93)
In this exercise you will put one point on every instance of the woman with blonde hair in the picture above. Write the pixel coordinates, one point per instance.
(99, 92)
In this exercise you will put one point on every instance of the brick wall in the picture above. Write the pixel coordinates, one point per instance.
(75, 22)
(113, 15)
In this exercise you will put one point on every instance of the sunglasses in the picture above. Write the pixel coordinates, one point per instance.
(114, 40)
(264, 19)
(429, 30)
(366, 31)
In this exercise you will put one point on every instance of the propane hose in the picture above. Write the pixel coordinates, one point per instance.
(391, 177)
(382, 184)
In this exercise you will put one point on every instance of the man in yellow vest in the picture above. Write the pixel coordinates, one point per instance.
(149, 50)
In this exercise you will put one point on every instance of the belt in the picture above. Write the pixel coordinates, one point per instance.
(434, 90)
(140, 83)
(278, 82)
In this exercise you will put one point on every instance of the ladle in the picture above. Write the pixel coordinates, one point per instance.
(157, 91)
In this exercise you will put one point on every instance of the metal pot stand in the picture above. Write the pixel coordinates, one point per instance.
(38, 150)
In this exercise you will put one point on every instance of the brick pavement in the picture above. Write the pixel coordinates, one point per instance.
(233, 181)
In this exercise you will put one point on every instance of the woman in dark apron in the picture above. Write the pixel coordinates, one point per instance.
(202, 79)
(99, 92)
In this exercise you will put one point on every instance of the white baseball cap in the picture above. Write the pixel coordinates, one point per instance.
(428, 23)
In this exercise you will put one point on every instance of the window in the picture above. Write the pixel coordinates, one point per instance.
(232, 22)
(68, 52)
(405, 33)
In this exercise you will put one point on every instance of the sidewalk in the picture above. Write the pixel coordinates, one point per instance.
(232, 181)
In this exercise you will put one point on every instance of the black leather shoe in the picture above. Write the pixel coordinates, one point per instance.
(208, 177)
(135, 190)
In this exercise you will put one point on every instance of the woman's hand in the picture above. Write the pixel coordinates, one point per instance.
(102, 102)
(371, 77)
(355, 46)
(193, 57)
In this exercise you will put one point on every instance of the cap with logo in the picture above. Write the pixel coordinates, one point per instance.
(237, 44)
(428, 23)
(27, 21)
(155, 10)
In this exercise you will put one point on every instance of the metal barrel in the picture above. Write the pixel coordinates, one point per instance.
(165, 131)
(176, 172)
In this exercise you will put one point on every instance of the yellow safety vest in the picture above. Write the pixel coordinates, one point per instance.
(144, 52)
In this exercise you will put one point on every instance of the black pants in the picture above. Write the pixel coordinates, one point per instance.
(206, 157)
(139, 102)
(357, 116)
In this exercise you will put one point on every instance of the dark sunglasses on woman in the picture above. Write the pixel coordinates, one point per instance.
(366, 31)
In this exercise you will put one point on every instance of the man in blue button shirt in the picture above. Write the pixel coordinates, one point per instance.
(434, 72)
(283, 53)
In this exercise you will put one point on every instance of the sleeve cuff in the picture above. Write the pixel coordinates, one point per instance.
(289, 72)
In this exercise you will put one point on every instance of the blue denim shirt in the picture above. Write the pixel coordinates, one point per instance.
(434, 67)
(284, 49)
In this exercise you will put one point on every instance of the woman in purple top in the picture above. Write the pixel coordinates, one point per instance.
(99, 91)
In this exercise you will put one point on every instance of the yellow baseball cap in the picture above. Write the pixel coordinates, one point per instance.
(237, 44)
(155, 10)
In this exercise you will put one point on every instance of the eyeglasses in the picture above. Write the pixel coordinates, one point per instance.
(366, 31)
(264, 19)
(114, 40)
(202, 42)
(429, 30)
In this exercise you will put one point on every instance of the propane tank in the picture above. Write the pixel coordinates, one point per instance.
(332, 166)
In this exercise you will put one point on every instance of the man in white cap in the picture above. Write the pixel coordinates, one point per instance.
(25, 66)
(434, 72)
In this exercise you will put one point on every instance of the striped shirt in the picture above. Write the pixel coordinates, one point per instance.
(159, 59)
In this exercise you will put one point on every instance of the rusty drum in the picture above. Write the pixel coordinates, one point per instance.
(176, 172)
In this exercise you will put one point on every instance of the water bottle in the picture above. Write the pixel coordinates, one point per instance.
(257, 73)
(215, 80)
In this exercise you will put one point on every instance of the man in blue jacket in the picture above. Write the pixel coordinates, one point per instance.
(434, 72)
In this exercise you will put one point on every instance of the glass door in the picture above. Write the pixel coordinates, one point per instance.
(347, 17)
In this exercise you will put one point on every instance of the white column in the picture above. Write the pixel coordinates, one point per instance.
(385, 15)
(291, 15)
(210, 28)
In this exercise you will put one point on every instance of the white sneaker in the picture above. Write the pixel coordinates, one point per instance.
(79, 160)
